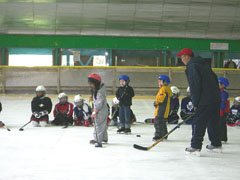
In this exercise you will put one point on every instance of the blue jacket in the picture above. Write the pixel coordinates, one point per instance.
(224, 98)
(174, 104)
(186, 105)
(80, 111)
(203, 82)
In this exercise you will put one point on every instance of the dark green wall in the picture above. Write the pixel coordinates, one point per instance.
(49, 41)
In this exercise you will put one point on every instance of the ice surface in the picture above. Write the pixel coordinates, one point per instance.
(53, 153)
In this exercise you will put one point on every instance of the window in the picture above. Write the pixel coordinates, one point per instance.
(30, 60)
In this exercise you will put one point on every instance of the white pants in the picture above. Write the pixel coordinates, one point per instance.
(39, 124)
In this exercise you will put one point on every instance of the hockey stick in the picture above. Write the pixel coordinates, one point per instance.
(113, 116)
(137, 122)
(21, 129)
(4, 126)
(158, 141)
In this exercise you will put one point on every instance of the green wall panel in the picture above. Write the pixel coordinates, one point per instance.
(50, 41)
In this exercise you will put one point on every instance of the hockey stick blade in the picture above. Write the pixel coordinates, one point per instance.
(160, 140)
(21, 129)
(140, 147)
(5, 127)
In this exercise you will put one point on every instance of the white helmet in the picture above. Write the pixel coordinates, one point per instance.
(188, 89)
(78, 98)
(115, 100)
(62, 95)
(40, 89)
(175, 90)
(237, 99)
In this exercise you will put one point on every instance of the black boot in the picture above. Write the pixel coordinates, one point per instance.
(155, 138)
(122, 129)
(127, 131)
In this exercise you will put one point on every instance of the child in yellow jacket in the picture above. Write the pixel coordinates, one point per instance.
(162, 105)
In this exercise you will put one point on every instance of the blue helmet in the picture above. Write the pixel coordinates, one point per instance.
(164, 78)
(224, 81)
(124, 77)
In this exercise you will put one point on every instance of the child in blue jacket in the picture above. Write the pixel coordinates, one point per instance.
(224, 107)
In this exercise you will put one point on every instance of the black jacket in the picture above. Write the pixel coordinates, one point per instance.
(41, 104)
(125, 95)
(203, 82)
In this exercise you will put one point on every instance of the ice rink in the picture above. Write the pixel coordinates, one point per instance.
(53, 153)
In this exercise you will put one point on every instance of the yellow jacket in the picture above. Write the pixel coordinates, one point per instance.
(163, 102)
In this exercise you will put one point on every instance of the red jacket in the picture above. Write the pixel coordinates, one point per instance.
(63, 109)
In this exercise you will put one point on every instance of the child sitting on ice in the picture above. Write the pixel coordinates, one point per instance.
(187, 108)
(174, 106)
(233, 118)
(82, 112)
(63, 111)
(41, 106)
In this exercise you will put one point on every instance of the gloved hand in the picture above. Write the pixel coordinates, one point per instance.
(1, 124)
(94, 113)
(154, 104)
(36, 115)
(45, 112)
(221, 113)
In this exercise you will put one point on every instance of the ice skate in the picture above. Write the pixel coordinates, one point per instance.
(127, 131)
(193, 151)
(211, 148)
(121, 130)
(98, 145)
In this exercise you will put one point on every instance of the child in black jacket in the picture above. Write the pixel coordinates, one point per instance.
(124, 94)
(41, 108)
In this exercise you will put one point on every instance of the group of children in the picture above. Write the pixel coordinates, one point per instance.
(167, 105)
(63, 112)
(166, 108)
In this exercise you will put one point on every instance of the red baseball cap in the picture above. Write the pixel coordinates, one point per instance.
(185, 51)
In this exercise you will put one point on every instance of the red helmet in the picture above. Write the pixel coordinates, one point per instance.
(95, 76)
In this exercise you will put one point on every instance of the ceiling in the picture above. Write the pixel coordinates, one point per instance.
(215, 19)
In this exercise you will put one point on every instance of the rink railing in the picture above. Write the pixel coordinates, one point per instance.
(74, 79)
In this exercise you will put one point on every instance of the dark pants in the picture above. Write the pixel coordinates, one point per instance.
(223, 128)
(207, 116)
(160, 125)
(62, 120)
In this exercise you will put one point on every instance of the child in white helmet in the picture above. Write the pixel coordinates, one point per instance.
(115, 113)
(233, 119)
(174, 106)
(82, 112)
(63, 111)
(41, 106)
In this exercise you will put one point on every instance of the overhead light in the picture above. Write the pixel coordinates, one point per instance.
(106, 53)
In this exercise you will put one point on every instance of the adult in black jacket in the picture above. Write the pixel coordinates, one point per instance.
(41, 107)
(124, 94)
(206, 99)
